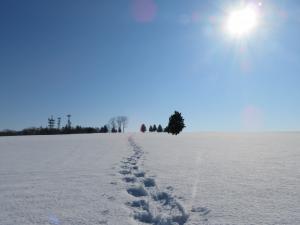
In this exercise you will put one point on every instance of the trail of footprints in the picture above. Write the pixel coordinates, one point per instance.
(150, 204)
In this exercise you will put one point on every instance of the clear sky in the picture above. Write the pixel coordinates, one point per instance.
(144, 59)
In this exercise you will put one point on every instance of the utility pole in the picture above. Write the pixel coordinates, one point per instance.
(69, 121)
(51, 122)
(58, 123)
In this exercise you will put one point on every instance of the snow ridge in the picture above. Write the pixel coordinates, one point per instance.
(150, 204)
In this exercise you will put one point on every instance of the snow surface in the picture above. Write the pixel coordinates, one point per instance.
(203, 178)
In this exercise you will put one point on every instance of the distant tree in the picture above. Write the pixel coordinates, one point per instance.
(51, 129)
(154, 128)
(113, 124)
(124, 122)
(119, 130)
(101, 130)
(105, 129)
(119, 122)
(77, 130)
(114, 130)
(8, 132)
(159, 128)
(166, 129)
(176, 123)
(89, 130)
(30, 131)
(143, 128)
(67, 130)
(150, 129)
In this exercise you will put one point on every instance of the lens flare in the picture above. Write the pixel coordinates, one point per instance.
(242, 21)
(144, 11)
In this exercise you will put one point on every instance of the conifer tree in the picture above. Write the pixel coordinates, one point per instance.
(150, 129)
(176, 123)
(143, 128)
(159, 128)
(105, 129)
(166, 129)
(154, 128)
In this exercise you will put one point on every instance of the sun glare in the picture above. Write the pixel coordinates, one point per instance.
(242, 21)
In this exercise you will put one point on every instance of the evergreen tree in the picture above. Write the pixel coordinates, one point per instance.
(114, 130)
(143, 128)
(150, 129)
(119, 130)
(154, 128)
(105, 129)
(159, 128)
(176, 123)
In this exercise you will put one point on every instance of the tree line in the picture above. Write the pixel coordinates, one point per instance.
(175, 125)
(114, 125)
(152, 128)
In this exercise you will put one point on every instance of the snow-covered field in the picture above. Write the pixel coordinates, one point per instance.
(120, 179)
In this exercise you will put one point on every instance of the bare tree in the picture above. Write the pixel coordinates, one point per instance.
(119, 122)
(112, 123)
(124, 122)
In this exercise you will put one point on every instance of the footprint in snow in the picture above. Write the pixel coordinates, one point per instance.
(111, 198)
(162, 197)
(139, 204)
(113, 183)
(105, 212)
(202, 210)
(135, 167)
(170, 188)
(124, 172)
(161, 207)
(139, 174)
(149, 182)
(129, 179)
(137, 191)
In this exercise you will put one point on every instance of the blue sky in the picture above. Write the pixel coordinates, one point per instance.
(145, 59)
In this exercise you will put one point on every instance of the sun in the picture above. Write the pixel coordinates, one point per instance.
(242, 21)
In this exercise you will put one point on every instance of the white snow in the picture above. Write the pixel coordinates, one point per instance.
(62, 180)
(120, 179)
